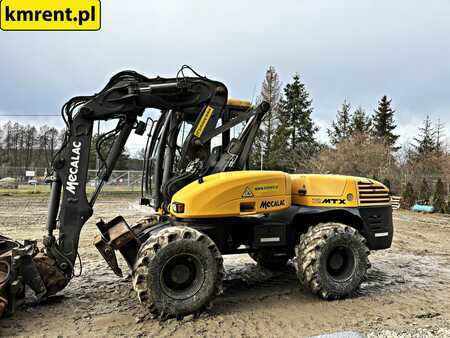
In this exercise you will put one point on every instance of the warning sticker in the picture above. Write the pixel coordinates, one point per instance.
(266, 187)
(203, 121)
(247, 193)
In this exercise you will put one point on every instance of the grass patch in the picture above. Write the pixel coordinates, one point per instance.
(44, 190)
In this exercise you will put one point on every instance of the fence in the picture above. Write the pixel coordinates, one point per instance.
(127, 179)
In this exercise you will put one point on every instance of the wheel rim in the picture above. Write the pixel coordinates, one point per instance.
(340, 263)
(182, 276)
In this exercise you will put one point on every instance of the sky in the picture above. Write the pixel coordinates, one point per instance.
(356, 50)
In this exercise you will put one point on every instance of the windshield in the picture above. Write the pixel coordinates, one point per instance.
(163, 155)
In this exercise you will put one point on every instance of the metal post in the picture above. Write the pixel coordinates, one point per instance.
(262, 155)
(97, 166)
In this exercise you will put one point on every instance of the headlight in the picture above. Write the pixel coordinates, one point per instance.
(178, 207)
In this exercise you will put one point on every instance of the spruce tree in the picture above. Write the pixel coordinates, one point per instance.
(424, 191)
(340, 129)
(384, 123)
(439, 202)
(408, 196)
(425, 143)
(281, 157)
(295, 115)
(360, 123)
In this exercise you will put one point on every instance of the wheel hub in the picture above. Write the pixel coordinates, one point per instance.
(340, 263)
(336, 261)
(182, 276)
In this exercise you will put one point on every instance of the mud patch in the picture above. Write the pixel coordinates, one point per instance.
(407, 291)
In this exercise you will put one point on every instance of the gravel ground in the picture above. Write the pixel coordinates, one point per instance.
(407, 293)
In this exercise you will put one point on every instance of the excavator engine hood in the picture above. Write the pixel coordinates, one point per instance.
(233, 194)
(337, 191)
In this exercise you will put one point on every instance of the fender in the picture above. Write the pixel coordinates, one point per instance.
(371, 222)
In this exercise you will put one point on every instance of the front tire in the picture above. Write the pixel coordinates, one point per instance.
(332, 260)
(178, 272)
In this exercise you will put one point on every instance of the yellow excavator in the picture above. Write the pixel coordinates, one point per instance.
(206, 203)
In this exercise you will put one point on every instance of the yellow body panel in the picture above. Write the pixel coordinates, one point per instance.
(235, 193)
(324, 190)
(239, 103)
(258, 192)
(337, 191)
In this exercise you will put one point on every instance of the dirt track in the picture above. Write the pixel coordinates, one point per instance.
(407, 293)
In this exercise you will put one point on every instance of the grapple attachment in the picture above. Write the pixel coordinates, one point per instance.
(22, 265)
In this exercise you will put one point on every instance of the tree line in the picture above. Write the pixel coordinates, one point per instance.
(25, 146)
(359, 144)
(28, 146)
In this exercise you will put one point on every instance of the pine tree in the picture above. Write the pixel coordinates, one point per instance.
(425, 143)
(408, 196)
(424, 191)
(295, 115)
(341, 128)
(271, 93)
(439, 202)
(360, 123)
(440, 136)
(384, 124)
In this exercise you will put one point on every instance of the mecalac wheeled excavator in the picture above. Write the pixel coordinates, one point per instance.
(205, 203)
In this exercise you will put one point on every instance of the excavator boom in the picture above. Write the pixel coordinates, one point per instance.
(197, 101)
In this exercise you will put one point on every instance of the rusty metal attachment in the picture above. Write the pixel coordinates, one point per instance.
(4, 277)
(115, 235)
(118, 235)
(17, 270)
(53, 278)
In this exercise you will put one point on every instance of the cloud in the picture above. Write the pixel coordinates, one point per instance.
(359, 50)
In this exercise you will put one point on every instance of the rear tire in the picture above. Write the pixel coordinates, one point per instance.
(332, 260)
(178, 272)
(270, 260)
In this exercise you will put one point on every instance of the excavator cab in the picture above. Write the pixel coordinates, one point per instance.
(167, 167)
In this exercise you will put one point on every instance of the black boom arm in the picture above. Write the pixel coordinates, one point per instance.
(125, 98)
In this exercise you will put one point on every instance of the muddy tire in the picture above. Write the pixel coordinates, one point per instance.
(332, 260)
(178, 272)
(270, 260)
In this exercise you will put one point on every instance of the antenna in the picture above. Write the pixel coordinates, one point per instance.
(254, 94)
